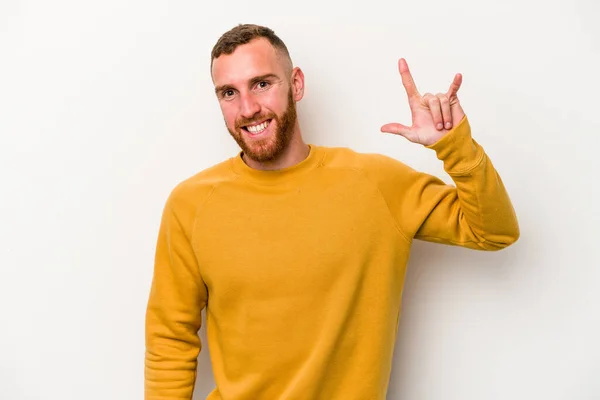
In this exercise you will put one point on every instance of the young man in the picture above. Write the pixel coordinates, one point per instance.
(298, 252)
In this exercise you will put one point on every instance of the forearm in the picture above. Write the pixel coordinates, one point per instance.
(477, 213)
(172, 348)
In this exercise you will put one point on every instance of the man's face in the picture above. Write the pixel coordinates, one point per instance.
(256, 99)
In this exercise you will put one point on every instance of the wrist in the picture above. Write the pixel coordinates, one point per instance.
(457, 149)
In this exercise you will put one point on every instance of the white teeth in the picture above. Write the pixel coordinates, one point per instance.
(258, 128)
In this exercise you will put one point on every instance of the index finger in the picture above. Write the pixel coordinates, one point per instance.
(407, 79)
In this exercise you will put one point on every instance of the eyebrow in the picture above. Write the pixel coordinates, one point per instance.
(256, 79)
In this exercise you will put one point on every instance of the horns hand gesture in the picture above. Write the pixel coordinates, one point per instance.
(432, 115)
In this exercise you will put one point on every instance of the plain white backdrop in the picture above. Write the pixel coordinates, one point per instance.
(106, 106)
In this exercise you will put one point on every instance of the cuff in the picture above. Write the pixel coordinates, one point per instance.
(457, 149)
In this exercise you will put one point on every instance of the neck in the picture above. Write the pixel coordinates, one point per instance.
(294, 153)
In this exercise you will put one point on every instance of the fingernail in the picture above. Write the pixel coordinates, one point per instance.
(440, 126)
(448, 125)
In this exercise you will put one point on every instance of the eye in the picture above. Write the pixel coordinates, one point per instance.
(263, 84)
(228, 93)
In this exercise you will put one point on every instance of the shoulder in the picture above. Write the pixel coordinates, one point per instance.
(194, 190)
(369, 164)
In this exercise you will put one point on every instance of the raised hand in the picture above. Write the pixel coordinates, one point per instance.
(432, 115)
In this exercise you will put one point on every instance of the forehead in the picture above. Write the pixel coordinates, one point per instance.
(247, 61)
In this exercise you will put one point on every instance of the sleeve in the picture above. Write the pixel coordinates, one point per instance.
(476, 212)
(173, 317)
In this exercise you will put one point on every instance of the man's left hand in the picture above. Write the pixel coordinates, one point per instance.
(432, 115)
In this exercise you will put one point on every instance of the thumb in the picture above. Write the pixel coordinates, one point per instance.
(397, 129)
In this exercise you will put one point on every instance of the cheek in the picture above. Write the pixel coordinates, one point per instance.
(276, 104)
(229, 113)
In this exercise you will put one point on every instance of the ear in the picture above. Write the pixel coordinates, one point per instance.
(297, 83)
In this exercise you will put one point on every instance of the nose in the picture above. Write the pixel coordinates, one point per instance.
(249, 106)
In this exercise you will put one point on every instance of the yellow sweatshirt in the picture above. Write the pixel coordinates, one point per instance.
(301, 270)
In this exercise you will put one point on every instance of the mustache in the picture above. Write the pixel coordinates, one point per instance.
(245, 122)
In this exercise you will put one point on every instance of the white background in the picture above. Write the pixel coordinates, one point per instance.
(105, 106)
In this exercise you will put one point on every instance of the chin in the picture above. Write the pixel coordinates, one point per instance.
(262, 152)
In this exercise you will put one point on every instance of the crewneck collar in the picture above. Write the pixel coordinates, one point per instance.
(272, 177)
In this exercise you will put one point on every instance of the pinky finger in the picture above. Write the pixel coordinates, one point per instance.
(455, 85)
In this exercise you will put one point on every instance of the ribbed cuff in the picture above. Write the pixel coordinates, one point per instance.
(457, 149)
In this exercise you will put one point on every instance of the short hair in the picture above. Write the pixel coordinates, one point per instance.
(243, 34)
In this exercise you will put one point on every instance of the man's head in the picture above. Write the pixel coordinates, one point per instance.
(257, 88)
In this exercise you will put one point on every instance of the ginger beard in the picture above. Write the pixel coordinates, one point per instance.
(268, 149)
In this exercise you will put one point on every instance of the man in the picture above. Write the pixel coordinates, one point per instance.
(298, 252)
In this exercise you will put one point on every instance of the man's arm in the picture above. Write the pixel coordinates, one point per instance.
(477, 211)
(173, 318)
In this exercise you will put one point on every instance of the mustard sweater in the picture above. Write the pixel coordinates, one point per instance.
(301, 270)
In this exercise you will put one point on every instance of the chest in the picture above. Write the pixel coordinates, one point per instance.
(290, 242)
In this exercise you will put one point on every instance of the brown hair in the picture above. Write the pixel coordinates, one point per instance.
(243, 34)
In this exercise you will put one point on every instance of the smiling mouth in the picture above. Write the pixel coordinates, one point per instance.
(257, 128)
